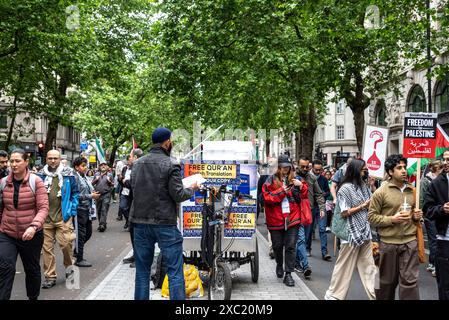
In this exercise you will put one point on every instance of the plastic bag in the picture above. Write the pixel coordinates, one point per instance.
(193, 284)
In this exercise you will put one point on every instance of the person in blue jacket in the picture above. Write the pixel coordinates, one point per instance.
(62, 191)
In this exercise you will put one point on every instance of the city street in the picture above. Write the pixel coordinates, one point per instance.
(109, 279)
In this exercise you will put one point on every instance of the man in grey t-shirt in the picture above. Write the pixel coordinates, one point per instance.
(103, 183)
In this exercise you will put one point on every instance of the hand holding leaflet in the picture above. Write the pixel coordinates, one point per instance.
(193, 179)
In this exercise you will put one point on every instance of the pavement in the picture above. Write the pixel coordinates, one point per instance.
(118, 283)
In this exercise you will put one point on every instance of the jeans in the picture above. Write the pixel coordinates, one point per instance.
(169, 240)
(84, 232)
(431, 231)
(322, 223)
(285, 240)
(30, 252)
(124, 206)
(301, 254)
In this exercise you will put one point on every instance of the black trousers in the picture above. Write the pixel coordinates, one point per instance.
(442, 269)
(285, 240)
(30, 253)
(84, 232)
(103, 208)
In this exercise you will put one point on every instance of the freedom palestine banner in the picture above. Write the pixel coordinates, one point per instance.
(441, 145)
(419, 134)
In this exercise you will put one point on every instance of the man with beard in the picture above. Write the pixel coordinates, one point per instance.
(3, 164)
(62, 193)
(103, 183)
(396, 226)
(157, 188)
(318, 205)
(436, 207)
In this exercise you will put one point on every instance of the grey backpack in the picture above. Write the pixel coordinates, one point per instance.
(31, 182)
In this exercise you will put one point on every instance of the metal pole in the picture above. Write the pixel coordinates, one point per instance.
(429, 58)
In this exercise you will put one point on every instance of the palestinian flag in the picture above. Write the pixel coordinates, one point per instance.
(441, 146)
(100, 152)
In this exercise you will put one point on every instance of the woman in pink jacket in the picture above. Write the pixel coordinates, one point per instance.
(23, 210)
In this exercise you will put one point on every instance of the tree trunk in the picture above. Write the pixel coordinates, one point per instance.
(358, 102)
(267, 147)
(11, 126)
(116, 146)
(307, 132)
(14, 108)
(358, 112)
(297, 145)
(50, 140)
(112, 155)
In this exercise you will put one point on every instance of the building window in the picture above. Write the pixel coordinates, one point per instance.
(3, 120)
(340, 107)
(442, 95)
(417, 100)
(340, 132)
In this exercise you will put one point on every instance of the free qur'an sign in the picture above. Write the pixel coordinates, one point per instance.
(419, 135)
(224, 171)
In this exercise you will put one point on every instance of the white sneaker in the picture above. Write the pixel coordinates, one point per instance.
(328, 296)
(328, 229)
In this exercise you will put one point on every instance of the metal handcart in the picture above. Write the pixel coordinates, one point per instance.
(215, 241)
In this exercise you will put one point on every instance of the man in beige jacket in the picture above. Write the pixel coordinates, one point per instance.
(398, 246)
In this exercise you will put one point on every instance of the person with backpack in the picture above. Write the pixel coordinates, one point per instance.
(282, 195)
(62, 192)
(353, 199)
(23, 211)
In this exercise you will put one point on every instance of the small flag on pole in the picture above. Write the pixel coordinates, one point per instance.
(100, 153)
(134, 147)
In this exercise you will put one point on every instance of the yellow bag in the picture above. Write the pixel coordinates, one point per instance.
(194, 286)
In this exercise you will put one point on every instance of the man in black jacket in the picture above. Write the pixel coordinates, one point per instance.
(436, 207)
(157, 189)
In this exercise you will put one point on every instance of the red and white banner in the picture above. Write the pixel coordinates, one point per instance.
(375, 149)
(420, 135)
